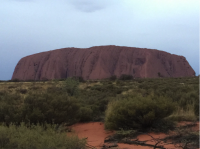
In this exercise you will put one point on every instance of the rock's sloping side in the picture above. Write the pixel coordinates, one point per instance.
(102, 62)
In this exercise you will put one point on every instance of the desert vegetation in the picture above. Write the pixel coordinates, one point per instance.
(40, 108)
(37, 136)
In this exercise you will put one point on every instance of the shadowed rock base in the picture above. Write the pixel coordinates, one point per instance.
(102, 62)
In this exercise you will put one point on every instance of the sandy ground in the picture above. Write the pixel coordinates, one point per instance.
(95, 134)
(93, 131)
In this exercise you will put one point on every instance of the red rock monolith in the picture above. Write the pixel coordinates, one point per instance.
(102, 62)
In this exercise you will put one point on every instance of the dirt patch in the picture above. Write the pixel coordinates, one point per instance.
(95, 134)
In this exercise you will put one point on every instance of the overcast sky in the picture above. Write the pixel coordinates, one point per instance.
(33, 26)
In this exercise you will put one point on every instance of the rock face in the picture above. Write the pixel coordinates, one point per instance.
(102, 62)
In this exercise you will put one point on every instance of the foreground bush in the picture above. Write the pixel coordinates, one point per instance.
(46, 108)
(137, 112)
(36, 137)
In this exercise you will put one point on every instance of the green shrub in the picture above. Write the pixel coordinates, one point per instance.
(196, 108)
(125, 77)
(137, 112)
(14, 80)
(37, 137)
(71, 86)
(86, 114)
(11, 87)
(51, 109)
(22, 91)
(113, 78)
(79, 78)
(55, 90)
(9, 108)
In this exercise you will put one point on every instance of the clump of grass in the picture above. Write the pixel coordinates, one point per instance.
(181, 114)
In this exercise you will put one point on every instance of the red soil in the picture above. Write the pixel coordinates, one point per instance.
(93, 131)
(95, 134)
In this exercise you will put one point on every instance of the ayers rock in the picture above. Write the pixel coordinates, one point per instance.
(102, 62)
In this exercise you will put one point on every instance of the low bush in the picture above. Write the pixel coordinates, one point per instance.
(9, 108)
(71, 86)
(86, 114)
(11, 86)
(14, 80)
(45, 108)
(79, 78)
(113, 78)
(196, 108)
(37, 137)
(137, 112)
(125, 77)
(22, 91)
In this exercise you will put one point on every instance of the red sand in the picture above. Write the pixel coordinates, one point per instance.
(93, 131)
(95, 134)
